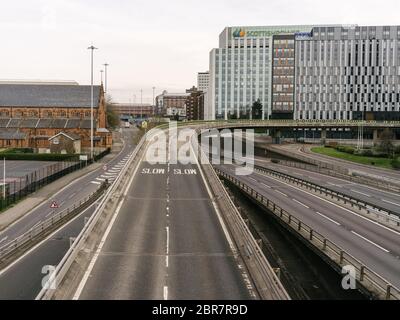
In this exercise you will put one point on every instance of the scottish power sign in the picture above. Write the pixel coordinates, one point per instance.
(241, 33)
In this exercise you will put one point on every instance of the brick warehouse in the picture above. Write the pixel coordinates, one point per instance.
(30, 114)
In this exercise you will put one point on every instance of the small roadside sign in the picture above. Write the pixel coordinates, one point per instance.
(83, 157)
(54, 205)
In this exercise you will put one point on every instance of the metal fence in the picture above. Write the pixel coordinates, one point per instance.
(266, 281)
(32, 182)
(105, 208)
(370, 280)
(16, 247)
(353, 178)
(373, 211)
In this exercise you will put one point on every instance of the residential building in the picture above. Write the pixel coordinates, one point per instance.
(195, 104)
(172, 105)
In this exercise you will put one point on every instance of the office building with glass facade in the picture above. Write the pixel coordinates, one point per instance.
(242, 68)
(333, 72)
(345, 73)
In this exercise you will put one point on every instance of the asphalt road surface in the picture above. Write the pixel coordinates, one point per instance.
(373, 244)
(385, 199)
(386, 173)
(166, 243)
(23, 278)
(71, 194)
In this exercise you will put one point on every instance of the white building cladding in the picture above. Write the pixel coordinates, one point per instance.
(348, 73)
(241, 70)
(203, 81)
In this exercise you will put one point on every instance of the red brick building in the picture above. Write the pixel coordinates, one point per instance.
(195, 104)
(32, 113)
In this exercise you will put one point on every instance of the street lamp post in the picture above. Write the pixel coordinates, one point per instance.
(105, 76)
(141, 104)
(92, 48)
(154, 101)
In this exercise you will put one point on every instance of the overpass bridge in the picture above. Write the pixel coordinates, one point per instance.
(169, 245)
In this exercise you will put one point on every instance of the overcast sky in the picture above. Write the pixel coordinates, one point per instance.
(161, 43)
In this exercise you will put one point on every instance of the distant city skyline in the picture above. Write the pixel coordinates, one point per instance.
(158, 44)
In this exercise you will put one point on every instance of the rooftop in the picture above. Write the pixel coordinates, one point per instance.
(47, 95)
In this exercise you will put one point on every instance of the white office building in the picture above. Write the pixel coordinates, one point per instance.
(241, 69)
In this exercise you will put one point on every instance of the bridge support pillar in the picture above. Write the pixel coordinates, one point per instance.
(276, 136)
(376, 136)
(323, 136)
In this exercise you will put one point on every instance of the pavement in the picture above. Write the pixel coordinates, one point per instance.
(22, 279)
(373, 244)
(166, 243)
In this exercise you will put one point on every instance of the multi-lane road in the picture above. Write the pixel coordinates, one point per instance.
(382, 198)
(22, 279)
(305, 150)
(166, 242)
(375, 245)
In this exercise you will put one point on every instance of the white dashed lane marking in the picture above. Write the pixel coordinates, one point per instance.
(369, 241)
(331, 220)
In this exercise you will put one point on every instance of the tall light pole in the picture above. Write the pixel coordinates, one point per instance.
(154, 101)
(91, 48)
(141, 104)
(105, 76)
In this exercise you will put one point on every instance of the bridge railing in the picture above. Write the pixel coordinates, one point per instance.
(267, 282)
(369, 209)
(370, 280)
(18, 246)
(108, 202)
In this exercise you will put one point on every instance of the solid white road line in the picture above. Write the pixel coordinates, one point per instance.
(4, 239)
(85, 278)
(95, 182)
(331, 220)
(362, 193)
(253, 179)
(36, 225)
(371, 242)
(394, 203)
(266, 185)
(100, 179)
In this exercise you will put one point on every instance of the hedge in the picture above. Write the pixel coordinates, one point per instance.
(346, 149)
(395, 163)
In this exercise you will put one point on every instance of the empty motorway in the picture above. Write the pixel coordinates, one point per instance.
(382, 198)
(166, 242)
